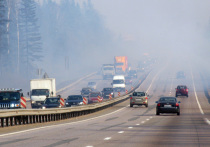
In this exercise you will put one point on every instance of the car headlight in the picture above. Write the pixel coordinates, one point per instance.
(12, 105)
(43, 107)
(112, 93)
(59, 106)
(67, 103)
(33, 102)
(81, 103)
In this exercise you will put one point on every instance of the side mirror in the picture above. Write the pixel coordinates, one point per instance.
(52, 92)
(156, 102)
(179, 102)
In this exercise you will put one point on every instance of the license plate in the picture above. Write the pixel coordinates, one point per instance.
(139, 99)
(167, 106)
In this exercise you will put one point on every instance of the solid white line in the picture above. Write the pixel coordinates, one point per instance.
(199, 106)
(107, 138)
(121, 132)
(89, 146)
(18, 132)
(207, 121)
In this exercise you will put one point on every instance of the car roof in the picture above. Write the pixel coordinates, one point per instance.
(74, 95)
(182, 85)
(168, 97)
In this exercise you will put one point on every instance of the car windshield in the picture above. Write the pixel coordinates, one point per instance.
(75, 97)
(108, 68)
(132, 72)
(52, 101)
(118, 81)
(107, 89)
(9, 96)
(138, 94)
(40, 92)
(91, 83)
(85, 90)
(119, 64)
(94, 94)
(166, 99)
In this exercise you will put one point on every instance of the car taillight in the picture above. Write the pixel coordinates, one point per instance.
(146, 98)
(131, 98)
(187, 90)
(158, 104)
(177, 104)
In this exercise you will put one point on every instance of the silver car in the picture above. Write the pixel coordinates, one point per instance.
(139, 98)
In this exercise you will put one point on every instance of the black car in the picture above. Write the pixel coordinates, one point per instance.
(106, 92)
(74, 100)
(53, 102)
(86, 91)
(132, 73)
(180, 75)
(167, 105)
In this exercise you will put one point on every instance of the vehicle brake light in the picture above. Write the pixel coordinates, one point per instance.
(146, 98)
(186, 89)
(158, 104)
(131, 98)
(177, 104)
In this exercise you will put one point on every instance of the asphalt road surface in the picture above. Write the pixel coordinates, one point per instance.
(123, 126)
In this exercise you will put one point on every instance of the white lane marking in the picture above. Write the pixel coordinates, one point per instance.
(130, 127)
(89, 146)
(207, 121)
(196, 97)
(121, 132)
(18, 132)
(151, 83)
(151, 117)
(107, 138)
(143, 122)
(137, 124)
(147, 119)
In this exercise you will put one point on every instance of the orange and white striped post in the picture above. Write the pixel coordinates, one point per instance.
(23, 102)
(61, 102)
(110, 96)
(99, 99)
(126, 91)
(84, 101)
(119, 94)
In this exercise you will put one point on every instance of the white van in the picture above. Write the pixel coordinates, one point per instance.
(118, 83)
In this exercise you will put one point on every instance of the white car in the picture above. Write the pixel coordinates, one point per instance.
(92, 85)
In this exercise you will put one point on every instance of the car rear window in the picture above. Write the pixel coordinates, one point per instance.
(75, 97)
(167, 99)
(181, 87)
(138, 94)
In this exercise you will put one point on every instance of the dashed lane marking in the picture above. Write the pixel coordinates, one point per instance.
(107, 138)
(130, 127)
(121, 132)
(143, 122)
(137, 124)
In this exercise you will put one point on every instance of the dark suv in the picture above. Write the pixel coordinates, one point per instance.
(106, 92)
(181, 90)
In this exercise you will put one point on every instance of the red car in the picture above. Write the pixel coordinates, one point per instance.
(181, 90)
(95, 97)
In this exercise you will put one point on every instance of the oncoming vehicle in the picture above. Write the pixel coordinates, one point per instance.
(139, 98)
(92, 85)
(10, 98)
(167, 105)
(106, 92)
(181, 90)
(132, 73)
(53, 102)
(128, 80)
(74, 100)
(95, 97)
(118, 83)
(86, 91)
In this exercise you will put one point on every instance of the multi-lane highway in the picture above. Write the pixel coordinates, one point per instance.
(121, 125)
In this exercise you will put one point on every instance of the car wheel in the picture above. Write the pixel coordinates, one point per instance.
(176, 95)
(178, 113)
(187, 95)
(146, 105)
(131, 105)
(157, 113)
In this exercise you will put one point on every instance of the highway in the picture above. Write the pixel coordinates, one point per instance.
(123, 126)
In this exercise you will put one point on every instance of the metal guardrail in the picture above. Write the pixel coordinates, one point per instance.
(30, 116)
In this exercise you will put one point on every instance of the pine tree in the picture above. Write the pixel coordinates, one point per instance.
(30, 39)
